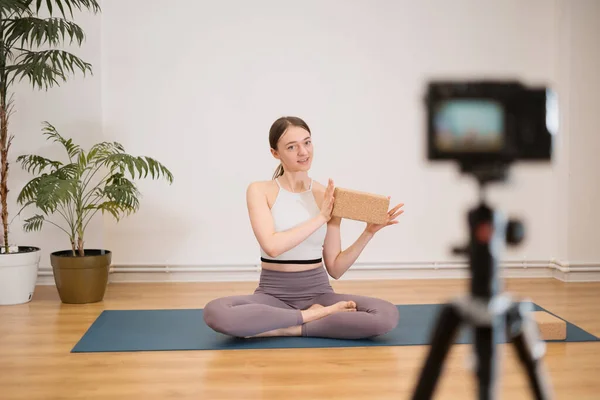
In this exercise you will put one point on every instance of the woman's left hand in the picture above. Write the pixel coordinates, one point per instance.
(391, 220)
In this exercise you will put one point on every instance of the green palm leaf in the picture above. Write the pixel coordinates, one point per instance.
(121, 190)
(30, 191)
(8, 8)
(42, 68)
(52, 192)
(68, 171)
(100, 151)
(37, 31)
(60, 4)
(34, 223)
(50, 132)
(28, 194)
(37, 164)
(138, 167)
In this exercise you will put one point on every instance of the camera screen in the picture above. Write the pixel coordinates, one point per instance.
(469, 125)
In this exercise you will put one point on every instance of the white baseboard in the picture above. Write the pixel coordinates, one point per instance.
(566, 272)
(576, 271)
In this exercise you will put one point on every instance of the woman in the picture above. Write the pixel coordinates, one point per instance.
(300, 244)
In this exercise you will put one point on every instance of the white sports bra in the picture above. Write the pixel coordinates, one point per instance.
(289, 210)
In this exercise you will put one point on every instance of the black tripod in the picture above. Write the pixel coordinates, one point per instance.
(488, 311)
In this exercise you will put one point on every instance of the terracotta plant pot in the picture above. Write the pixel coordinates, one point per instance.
(81, 279)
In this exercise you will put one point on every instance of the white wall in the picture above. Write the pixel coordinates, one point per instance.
(584, 135)
(197, 86)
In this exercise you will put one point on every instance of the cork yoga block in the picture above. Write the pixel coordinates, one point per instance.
(551, 327)
(360, 206)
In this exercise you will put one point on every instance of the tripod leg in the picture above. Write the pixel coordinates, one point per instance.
(443, 336)
(524, 334)
(487, 359)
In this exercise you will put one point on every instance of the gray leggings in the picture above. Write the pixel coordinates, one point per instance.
(279, 298)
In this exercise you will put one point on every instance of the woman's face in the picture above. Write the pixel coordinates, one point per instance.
(295, 150)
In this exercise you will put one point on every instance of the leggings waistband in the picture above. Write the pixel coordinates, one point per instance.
(314, 261)
(294, 285)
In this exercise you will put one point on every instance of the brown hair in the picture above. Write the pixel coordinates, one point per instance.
(278, 129)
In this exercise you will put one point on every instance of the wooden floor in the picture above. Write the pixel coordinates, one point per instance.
(35, 340)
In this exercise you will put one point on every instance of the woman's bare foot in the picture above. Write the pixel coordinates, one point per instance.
(317, 311)
(343, 306)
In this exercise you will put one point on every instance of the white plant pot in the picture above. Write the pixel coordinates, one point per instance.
(18, 275)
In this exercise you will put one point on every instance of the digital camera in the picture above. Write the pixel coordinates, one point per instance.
(481, 123)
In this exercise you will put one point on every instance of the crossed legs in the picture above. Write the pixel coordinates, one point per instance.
(249, 315)
(329, 315)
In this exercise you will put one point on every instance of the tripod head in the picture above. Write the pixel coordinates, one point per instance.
(489, 232)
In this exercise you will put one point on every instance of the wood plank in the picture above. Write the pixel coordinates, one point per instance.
(35, 340)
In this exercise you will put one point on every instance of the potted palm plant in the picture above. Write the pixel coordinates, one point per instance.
(100, 179)
(22, 32)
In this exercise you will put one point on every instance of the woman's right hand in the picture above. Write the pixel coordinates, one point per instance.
(327, 204)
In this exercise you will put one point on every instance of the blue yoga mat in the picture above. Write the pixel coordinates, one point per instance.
(184, 329)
